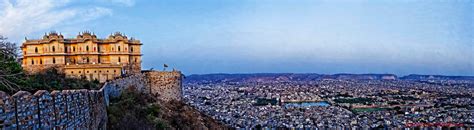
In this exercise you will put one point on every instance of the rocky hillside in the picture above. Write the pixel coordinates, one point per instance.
(133, 110)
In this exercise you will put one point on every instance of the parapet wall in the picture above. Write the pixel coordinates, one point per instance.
(165, 85)
(81, 108)
(58, 109)
(115, 87)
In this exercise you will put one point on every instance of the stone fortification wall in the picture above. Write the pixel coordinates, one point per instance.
(81, 108)
(165, 85)
(114, 88)
(58, 109)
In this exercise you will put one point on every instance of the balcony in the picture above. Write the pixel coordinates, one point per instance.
(77, 66)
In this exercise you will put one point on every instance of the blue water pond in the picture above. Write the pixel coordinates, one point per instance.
(307, 104)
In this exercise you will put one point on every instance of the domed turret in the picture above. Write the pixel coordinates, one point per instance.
(45, 36)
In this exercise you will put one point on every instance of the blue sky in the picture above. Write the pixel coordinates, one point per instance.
(247, 36)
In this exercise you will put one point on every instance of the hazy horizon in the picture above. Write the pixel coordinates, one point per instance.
(326, 74)
(268, 36)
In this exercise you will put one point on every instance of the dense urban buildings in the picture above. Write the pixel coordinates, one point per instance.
(84, 56)
(319, 101)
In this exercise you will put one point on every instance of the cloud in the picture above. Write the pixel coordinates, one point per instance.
(21, 17)
(90, 14)
(122, 2)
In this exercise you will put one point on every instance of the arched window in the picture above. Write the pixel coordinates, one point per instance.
(41, 61)
(131, 49)
(94, 48)
(119, 59)
(36, 49)
(54, 49)
(65, 49)
(87, 48)
(118, 48)
(87, 59)
(32, 62)
(74, 49)
(135, 60)
(54, 60)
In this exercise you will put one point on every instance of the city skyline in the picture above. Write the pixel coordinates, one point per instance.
(325, 37)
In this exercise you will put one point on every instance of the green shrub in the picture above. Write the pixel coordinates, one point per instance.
(133, 110)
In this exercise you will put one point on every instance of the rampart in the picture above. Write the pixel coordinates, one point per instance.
(165, 85)
(58, 109)
(81, 108)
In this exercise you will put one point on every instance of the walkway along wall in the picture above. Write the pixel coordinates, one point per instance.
(80, 108)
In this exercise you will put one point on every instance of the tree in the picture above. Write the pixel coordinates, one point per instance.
(12, 78)
(11, 73)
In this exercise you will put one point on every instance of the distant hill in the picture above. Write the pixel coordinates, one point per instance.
(256, 77)
(282, 77)
(435, 77)
(362, 76)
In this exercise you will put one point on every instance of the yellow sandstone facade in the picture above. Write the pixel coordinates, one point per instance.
(83, 56)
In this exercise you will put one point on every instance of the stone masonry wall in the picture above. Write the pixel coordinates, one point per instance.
(165, 85)
(82, 108)
(115, 87)
(58, 109)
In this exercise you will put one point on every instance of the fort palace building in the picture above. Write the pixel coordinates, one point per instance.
(84, 56)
